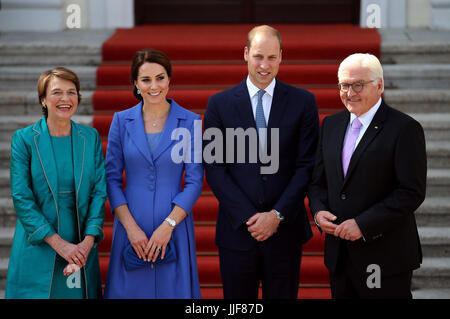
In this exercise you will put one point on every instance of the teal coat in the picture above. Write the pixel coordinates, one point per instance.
(34, 191)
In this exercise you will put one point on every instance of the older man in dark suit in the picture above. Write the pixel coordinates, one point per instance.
(262, 221)
(369, 178)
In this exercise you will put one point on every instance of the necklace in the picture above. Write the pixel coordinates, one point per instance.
(156, 120)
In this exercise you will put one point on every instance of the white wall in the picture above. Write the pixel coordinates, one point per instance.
(52, 15)
(31, 15)
(433, 14)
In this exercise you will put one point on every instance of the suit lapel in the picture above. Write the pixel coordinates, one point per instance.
(78, 151)
(277, 110)
(172, 122)
(372, 131)
(136, 130)
(278, 106)
(243, 107)
(338, 136)
(44, 149)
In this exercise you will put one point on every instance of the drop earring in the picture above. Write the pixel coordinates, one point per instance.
(138, 91)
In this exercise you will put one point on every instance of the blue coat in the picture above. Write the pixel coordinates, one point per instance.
(153, 187)
(34, 185)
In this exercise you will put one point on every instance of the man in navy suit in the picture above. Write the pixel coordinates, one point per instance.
(262, 222)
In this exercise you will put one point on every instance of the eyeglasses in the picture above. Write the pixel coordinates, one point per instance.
(356, 86)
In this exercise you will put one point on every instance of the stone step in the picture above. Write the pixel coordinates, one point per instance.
(5, 154)
(435, 125)
(435, 241)
(69, 47)
(414, 45)
(26, 102)
(438, 154)
(434, 211)
(438, 182)
(9, 124)
(420, 76)
(431, 293)
(5, 190)
(419, 100)
(26, 77)
(433, 273)
(3, 272)
(8, 216)
(6, 237)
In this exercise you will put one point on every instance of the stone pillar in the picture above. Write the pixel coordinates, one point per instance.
(440, 14)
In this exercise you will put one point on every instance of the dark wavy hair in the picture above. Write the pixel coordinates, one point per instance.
(151, 56)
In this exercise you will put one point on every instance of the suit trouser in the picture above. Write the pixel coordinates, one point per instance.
(347, 282)
(276, 266)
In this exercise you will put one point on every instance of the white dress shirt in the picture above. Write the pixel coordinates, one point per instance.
(365, 120)
(266, 99)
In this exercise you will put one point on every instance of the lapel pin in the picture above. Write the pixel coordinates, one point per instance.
(376, 127)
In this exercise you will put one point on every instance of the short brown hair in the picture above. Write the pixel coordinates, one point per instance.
(262, 28)
(58, 72)
(151, 56)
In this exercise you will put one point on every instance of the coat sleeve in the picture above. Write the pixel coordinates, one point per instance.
(305, 149)
(233, 202)
(410, 164)
(317, 191)
(114, 165)
(96, 212)
(28, 212)
(193, 171)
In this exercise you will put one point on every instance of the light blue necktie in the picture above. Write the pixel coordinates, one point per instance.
(260, 120)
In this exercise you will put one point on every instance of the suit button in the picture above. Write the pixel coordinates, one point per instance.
(343, 197)
(260, 202)
(264, 178)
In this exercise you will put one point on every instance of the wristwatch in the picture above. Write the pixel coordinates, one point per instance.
(279, 216)
(171, 221)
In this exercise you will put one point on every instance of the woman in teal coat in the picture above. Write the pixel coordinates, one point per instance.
(58, 188)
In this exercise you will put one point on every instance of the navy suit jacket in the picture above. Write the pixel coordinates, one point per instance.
(240, 188)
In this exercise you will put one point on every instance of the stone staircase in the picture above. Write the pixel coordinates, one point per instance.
(417, 80)
(416, 65)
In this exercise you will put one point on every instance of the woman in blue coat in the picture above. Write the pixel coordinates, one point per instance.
(58, 188)
(153, 213)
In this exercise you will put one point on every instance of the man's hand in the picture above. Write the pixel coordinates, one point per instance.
(325, 220)
(348, 230)
(263, 225)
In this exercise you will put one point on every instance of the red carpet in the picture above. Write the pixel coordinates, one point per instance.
(206, 60)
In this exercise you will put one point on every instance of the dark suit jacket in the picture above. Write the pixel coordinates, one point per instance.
(241, 189)
(384, 185)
